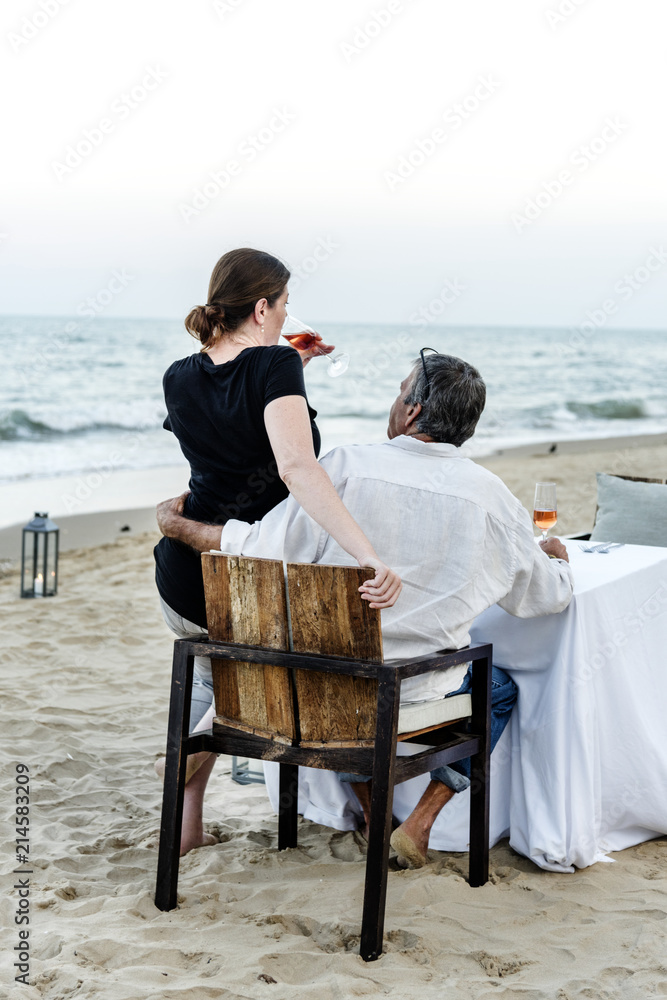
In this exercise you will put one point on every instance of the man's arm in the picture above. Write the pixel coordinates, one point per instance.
(286, 532)
(196, 534)
(541, 586)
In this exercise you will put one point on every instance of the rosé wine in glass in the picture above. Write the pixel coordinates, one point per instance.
(545, 509)
(302, 337)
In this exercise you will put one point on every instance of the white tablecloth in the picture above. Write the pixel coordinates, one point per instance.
(582, 767)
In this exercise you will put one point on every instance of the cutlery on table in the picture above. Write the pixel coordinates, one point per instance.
(602, 548)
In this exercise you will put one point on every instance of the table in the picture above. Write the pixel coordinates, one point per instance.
(581, 769)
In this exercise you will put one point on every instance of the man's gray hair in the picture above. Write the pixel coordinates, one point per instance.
(452, 398)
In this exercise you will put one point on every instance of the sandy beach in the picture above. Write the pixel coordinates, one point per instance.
(86, 681)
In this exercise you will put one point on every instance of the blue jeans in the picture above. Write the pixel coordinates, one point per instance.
(503, 697)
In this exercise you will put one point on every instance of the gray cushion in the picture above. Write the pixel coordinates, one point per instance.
(634, 513)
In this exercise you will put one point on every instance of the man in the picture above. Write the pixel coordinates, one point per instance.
(459, 539)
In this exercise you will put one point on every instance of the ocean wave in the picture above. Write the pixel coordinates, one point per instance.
(16, 424)
(19, 425)
(352, 415)
(609, 409)
(573, 412)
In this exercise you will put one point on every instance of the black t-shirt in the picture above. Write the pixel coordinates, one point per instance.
(217, 414)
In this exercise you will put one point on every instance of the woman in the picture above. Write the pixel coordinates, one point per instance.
(240, 412)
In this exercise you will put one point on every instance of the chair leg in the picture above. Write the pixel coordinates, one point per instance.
(377, 860)
(287, 808)
(480, 766)
(174, 778)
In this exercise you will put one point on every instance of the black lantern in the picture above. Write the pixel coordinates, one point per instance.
(39, 558)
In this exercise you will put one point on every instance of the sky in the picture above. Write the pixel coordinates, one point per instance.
(489, 163)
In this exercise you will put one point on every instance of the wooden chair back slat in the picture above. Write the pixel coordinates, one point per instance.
(329, 617)
(245, 603)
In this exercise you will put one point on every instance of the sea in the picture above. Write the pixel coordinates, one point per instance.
(81, 395)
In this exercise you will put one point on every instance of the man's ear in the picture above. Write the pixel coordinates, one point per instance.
(412, 415)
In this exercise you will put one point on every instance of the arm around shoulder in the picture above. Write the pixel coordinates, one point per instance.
(171, 522)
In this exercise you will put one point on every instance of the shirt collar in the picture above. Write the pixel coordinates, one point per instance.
(431, 449)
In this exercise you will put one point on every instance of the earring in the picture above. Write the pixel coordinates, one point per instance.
(262, 329)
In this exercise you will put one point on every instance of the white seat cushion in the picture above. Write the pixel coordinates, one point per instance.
(424, 714)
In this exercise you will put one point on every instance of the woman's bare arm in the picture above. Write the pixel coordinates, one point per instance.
(290, 434)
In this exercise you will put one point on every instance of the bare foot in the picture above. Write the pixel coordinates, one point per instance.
(195, 761)
(410, 839)
(411, 852)
(207, 840)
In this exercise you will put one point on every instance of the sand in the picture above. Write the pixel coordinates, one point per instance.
(86, 678)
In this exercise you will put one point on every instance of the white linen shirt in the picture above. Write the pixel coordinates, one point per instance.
(459, 539)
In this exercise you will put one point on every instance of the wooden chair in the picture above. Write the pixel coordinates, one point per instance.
(324, 699)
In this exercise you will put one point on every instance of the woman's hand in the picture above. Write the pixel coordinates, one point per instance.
(383, 590)
(316, 349)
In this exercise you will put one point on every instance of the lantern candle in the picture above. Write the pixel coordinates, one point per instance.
(39, 558)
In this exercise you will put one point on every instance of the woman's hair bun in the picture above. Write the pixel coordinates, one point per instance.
(205, 323)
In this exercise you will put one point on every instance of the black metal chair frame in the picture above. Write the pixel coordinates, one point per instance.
(379, 760)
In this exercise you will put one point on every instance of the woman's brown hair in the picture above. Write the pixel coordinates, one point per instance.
(239, 280)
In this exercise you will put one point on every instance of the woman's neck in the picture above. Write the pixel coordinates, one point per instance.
(230, 345)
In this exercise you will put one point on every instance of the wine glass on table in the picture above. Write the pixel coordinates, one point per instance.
(302, 336)
(545, 509)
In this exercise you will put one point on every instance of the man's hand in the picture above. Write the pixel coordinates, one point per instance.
(554, 547)
(170, 513)
(172, 523)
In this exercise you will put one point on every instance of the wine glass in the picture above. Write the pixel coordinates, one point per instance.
(545, 510)
(302, 336)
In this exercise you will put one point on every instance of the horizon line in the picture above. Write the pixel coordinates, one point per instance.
(86, 321)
